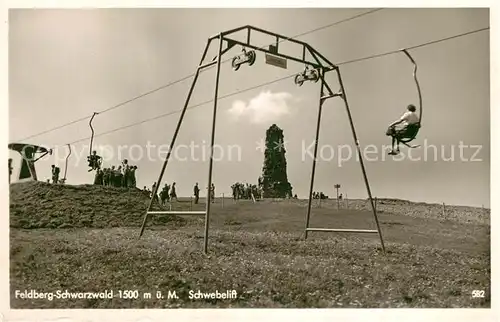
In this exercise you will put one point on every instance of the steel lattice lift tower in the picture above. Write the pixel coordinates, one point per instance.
(315, 70)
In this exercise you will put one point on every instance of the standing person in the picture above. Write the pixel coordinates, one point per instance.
(212, 192)
(173, 193)
(196, 193)
(167, 189)
(153, 187)
(105, 176)
(98, 179)
(112, 176)
(132, 183)
(153, 194)
(164, 194)
(55, 174)
(126, 173)
(10, 168)
(233, 189)
(118, 177)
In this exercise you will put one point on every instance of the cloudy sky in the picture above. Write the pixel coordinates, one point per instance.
(66, 64)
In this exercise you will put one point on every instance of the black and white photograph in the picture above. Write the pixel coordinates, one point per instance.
(250, 158)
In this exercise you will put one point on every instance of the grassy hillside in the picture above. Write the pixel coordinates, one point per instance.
(461, 214)
(43, 205)
(256, 249)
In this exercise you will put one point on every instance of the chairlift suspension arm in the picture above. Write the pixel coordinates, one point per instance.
(92, 129)
(415, 67)
(66, 165)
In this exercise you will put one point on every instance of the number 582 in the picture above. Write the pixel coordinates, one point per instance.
(477, 293)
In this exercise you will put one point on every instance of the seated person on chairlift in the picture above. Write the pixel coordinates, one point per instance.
(94, 161)
(409, 124)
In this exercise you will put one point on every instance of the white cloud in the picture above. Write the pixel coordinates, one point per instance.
(263, 108)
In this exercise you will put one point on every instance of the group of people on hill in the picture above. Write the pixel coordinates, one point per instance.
(169, 193)
(246, 191)
(122, 176)
(166, 194)
(319, 195)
